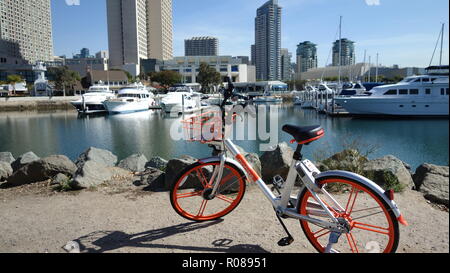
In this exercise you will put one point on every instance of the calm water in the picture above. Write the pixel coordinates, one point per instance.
(415, 141)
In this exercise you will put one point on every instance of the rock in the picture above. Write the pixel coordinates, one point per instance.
(389, 172)
(433, 182)
(60, 179)
(42, 169)
(135, 163)
(24, 160)
(5, 170)
(101, 156)
(157, 163)
(93, 173)
(276, 162)
(6, 157)
(174, 167)
(153, 179)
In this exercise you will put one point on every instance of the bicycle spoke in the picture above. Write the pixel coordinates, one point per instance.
(372, 228)
(353, 194)
(321, 235)
(224, 198)
(352, 243)
(202, 179)
(365, 216)
(202, 208)
(189, 194)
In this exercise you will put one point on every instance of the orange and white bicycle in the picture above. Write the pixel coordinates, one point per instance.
(338, 211)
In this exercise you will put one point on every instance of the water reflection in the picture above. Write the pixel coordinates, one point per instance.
(414, 141)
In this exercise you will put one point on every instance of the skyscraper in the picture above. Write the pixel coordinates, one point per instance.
(268, 41)
(26, 30)
(201, 46)
(286, 57)
(160, 27)
(306, 56)
(139, 29)
(347, 52)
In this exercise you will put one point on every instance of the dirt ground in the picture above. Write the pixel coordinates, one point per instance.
(34, 219)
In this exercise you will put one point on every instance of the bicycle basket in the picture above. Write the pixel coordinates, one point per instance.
(206, 127)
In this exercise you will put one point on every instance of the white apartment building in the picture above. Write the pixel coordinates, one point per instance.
(26, 30)
(138, 29)
(189, 67)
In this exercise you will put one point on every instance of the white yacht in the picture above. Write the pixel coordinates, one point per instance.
(133, 98)
(423, 95)
(92, 101)
(180, 99)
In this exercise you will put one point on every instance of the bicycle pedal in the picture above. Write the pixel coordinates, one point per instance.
(286, 241)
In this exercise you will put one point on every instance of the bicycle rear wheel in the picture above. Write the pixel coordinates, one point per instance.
(191, 194)
(373, 227)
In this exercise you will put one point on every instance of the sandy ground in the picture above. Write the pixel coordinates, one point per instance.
(33, 219)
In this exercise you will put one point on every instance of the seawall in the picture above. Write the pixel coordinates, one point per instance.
(36, 103)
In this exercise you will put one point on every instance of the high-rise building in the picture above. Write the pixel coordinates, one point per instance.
(139, 29)
(268, 41)
(253, 54)
(286, 71)
(26, 30)
(306, 56)
(201, 46)
(347, 52)
(160, 28)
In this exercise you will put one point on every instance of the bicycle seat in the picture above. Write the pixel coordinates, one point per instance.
(304, 135)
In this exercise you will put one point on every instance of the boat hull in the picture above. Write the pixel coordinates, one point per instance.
(393, 107)
(120, 107)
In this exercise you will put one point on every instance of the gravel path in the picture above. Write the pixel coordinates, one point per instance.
(34, 220)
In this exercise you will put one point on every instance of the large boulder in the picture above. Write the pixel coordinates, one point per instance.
(432, 181)
(157, 163)
(24, 160)
(389, 172)
(174, 167)
(276, 162)
(93, 173)
(42, 169)
(152, 179)
(6, 157)
(101, 156)
(5, 170)
(134, 163)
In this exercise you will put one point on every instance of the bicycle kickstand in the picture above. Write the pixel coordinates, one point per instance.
(334, 238)
(287, 240)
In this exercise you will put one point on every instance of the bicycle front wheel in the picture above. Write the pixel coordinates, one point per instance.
(192, 194)
(372, 225)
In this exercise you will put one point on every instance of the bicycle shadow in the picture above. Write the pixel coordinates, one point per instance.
(103, 241)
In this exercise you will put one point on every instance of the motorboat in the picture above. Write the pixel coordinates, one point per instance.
(268, 99)
(180, 99)
(133, 98)
(92, 101)
(353, 89)
(421, 95)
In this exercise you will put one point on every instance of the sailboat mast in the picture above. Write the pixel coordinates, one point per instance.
(442, 43)
(340, 48)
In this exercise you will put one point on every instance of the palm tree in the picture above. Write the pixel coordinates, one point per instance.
(13, 80)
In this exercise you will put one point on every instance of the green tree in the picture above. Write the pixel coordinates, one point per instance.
(13, 80)
(208, 77)
(65, 78)
(165, 78)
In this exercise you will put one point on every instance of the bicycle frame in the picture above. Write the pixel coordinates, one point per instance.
(280, 204)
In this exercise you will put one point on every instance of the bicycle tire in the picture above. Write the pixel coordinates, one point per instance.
(183, 177)
(392, 230)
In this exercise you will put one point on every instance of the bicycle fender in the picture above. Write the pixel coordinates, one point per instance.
(370, 184)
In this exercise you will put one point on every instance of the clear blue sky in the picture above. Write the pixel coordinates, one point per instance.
(403, 32)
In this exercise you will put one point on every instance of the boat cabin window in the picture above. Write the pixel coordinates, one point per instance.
(444, 91)
(391, 92)
(414, 92)
(358, 86)
(425, 79)
(403, 92)
(428, 91)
